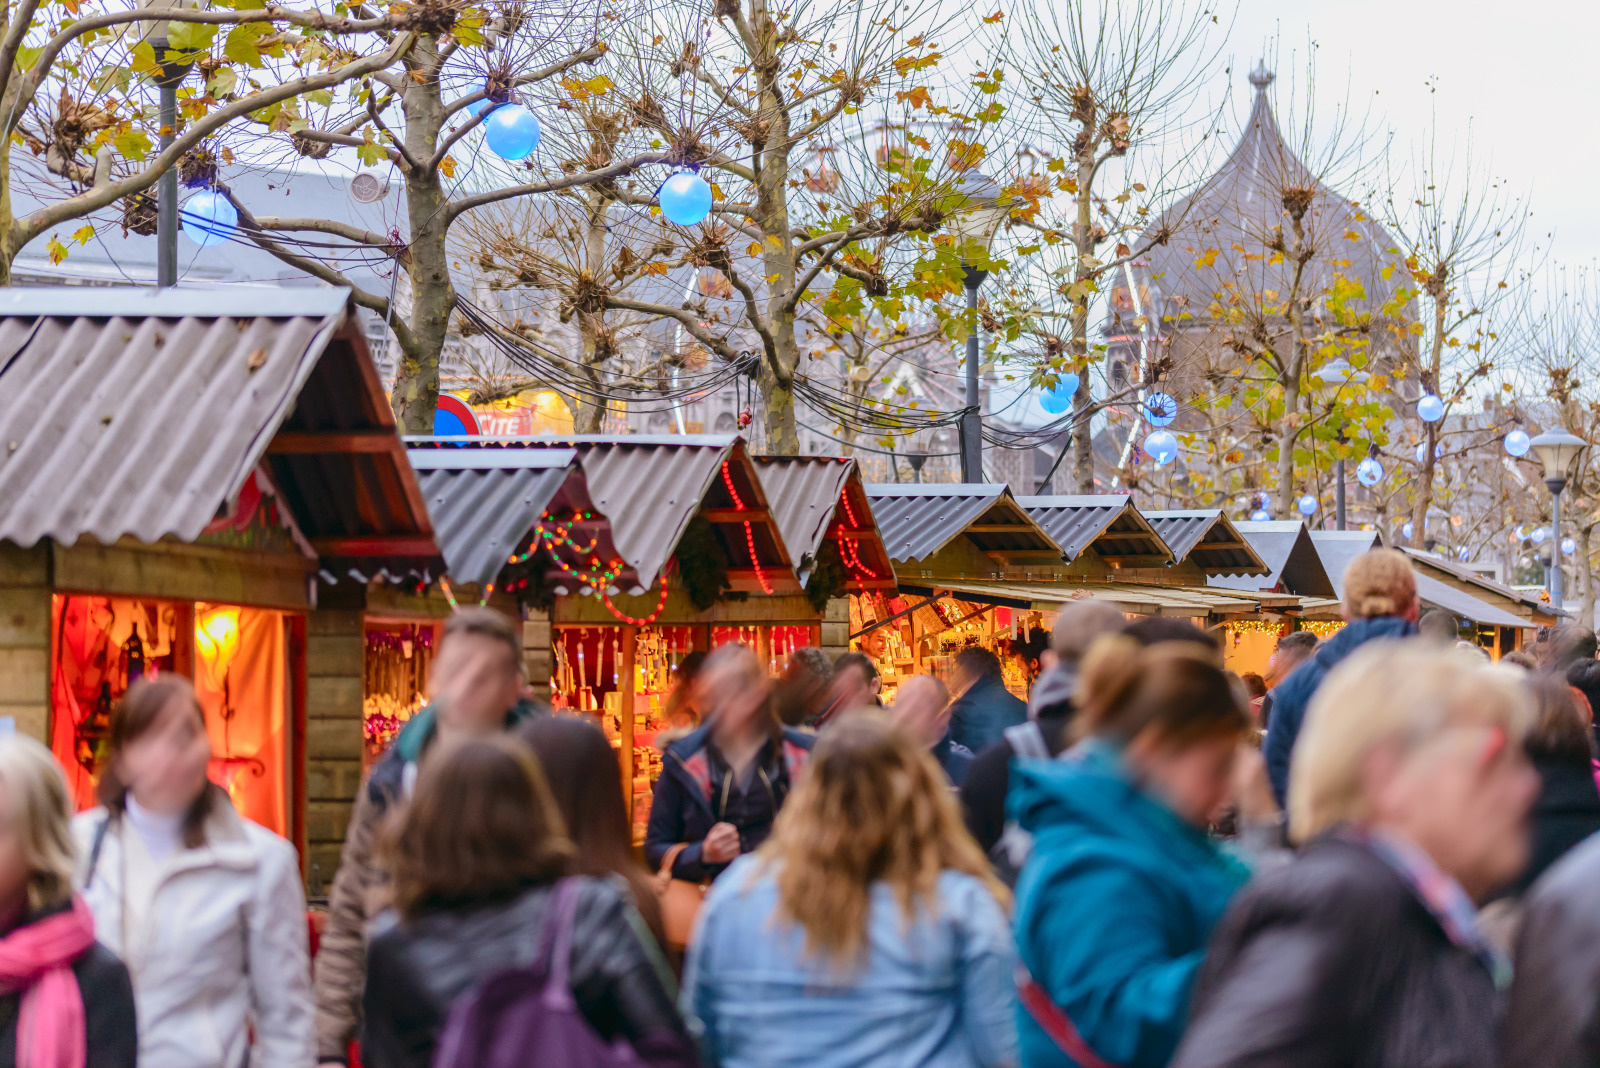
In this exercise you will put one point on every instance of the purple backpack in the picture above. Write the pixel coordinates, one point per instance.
(527, 1017)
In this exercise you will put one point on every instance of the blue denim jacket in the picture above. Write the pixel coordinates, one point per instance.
(937, 992)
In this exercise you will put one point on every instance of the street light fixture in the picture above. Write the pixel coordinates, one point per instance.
(1334, 374)
(1556, 450)
(169, 76)
(977, 220)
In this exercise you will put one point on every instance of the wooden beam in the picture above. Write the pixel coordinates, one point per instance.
(1221, 545)
(997, 528)
(903, 612)
(1027, 554)
(736, 515)
(307, 442)
(376, 545)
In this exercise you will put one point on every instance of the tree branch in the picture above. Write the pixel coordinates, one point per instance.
(614, 170)
(327, 226)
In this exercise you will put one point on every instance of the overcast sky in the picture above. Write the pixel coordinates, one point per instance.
(1526, 78)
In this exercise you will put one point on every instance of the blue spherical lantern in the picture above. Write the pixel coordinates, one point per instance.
(1369, 472)
(1422, 452)
(685, 198)
(1160, 409)
(512, 131)
(1260, 515)
(1307, 505)
(209, 218)
(1540, 535)
(1058, 400)
(1430, 409)
(1568, 546)
(1521, 533)
(1518, 443)
(1463, 554)
(1406, 530)
(1161, 447)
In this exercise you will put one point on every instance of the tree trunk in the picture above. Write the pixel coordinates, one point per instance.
(591, 412)
(416, 385)
(1430, 383)
(1083, 246)
(1585, 541)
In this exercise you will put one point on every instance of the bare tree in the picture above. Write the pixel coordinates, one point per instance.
(1105, 80)
(1461, 235)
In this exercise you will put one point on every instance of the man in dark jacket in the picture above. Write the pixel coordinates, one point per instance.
(1380, 603)
(985, 708)
(1555, 990)
(922, 709)
(477, 682)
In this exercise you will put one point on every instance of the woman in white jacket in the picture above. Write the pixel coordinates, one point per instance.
(203, 906)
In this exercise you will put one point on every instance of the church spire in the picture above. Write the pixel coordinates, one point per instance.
(1261, 77)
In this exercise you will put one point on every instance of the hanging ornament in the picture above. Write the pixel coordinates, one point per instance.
(1540, 535)
(512, 132)
(1430, 409)
(685, 198)
(1463, 554)
(1369, 472)
(1161, 447)
(744, 418)
(1260, 515)
(1306, 505)
(1521, 533)
(1518, 443)
(1159, 409)
(1058, 400)
(1422, 452)
(209, 218)
(1568, 546)
(1407, 529)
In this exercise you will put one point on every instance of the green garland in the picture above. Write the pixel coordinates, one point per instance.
(827, 577)
(703, 565)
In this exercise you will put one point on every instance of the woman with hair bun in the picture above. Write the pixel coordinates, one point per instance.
(1123, 886)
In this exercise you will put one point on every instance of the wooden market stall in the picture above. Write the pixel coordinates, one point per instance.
(179, 466)
(1293, 567)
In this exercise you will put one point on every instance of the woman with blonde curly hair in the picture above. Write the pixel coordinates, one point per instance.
(867, 931)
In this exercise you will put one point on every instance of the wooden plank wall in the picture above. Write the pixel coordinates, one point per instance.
(25, 638)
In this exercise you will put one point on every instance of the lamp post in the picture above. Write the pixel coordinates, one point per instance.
(168, 77)
(1336, 373)
(977, 221)
(1556, 450)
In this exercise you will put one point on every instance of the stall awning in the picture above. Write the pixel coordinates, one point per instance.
(1337, 548)
(1106, 522)
(1436, 594)
(1131, 596)
(916, 521)
(1209, 539)
(483, 502)
(141, 413)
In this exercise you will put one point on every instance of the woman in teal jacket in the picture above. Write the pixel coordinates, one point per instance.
(1123, 886)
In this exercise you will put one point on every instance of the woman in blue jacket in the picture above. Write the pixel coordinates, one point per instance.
(1123, 886)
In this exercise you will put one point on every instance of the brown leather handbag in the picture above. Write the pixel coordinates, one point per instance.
(680, 900)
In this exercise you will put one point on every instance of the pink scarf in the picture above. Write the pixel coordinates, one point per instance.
(37, 960)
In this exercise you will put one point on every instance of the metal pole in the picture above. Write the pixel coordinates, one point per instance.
(971, 421)
(1555, 548)
(167, 196)
(1338, 494)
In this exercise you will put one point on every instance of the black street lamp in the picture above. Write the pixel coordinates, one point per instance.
(1557, 449)
(977, 221)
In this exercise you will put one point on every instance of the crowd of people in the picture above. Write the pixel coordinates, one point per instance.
(1379, 852)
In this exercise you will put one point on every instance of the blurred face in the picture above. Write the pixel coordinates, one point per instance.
(165, 767)
(850, 688)
(475, 681)
(1463, 797)
(1195, 780)
(920, 710)
(735, 692)
(14, 871)
(1283, 661)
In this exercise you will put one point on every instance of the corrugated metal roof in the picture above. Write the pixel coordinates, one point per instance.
(803, 495)
(1209, 539)
(916, 521)
(1495, 591)
(1291, 558)
(1108, 522)
(647, 486)
(131, 413)
(1135, 597)
(484, 502)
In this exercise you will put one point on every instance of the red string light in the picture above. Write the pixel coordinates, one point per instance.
(647, 620)
(847, 547)
(749, 535)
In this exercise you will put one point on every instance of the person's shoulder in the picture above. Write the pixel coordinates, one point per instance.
(1332, 882)
(801, 739)
(386, 779)
(273, 851)
(86, 825)
(1571, 880)
(101, 973)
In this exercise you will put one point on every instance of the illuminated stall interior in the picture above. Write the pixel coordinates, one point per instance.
(396, 655)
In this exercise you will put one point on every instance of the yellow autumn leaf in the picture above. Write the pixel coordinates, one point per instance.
(447, 166)
(83, 233)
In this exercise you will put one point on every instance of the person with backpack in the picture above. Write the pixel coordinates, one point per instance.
(1123, 886)
(493, 955)
(867, 932)
(1380, 604)
(476, 685)
(203, 906)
